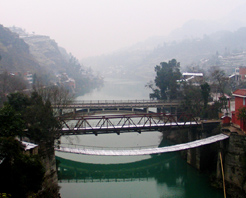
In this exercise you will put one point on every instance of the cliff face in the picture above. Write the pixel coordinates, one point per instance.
(50, 184)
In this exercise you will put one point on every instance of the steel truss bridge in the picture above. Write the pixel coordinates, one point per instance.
(125, 123)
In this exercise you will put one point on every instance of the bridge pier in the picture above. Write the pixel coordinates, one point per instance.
(204, 157)
(146, 110)
(193, 155)
(60, 112)
(74, 111)
(88, 110)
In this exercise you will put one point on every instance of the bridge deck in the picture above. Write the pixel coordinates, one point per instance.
(148, 151)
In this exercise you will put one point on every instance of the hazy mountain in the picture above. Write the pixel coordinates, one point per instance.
(15, 53)
(194, 29)
(137, 62)
(45, 50)
(191, 44)
(198, 28)
(21, 52)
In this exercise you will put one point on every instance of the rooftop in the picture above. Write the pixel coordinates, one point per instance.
(192, 74)
(28, 145)
(240, 93)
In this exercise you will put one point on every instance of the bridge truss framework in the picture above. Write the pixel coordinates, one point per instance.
(125, 123)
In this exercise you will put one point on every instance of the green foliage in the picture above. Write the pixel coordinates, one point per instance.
(18, 101)
(28, 173)
(241, 114)
(10, 147)
(11, 122)
(37, 114)
(21, 175)
(41, 124)
(166, 78)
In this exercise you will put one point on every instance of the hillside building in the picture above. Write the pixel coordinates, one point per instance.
(193, 78)
(238, 75)
(240, 101)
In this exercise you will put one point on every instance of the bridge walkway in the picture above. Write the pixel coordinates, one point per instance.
(148, 151)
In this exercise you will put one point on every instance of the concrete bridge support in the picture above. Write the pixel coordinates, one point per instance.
(193, 155)
(203, 158)
(60, 112)
(146, 110)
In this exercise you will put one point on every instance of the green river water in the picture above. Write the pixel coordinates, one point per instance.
(156, 176)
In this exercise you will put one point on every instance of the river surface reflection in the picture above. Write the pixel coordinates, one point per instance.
(151, 176)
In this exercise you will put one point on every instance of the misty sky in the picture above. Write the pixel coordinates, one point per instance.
(93, 27)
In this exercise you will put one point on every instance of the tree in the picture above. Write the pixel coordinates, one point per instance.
(166, 78)
(205, 90)
(241, 114)
(20, 174)
(219, 79)
(192, 99)
(11, 122)
(42, 125)
(18, 101)
(39, 120)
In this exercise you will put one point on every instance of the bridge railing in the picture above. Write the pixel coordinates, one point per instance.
(120, 101)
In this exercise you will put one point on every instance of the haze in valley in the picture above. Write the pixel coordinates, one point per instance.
(95, 27)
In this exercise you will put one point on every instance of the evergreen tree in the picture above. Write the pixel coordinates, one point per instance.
(166, 78)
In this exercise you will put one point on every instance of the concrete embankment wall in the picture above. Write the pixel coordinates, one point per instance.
(235, 165)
